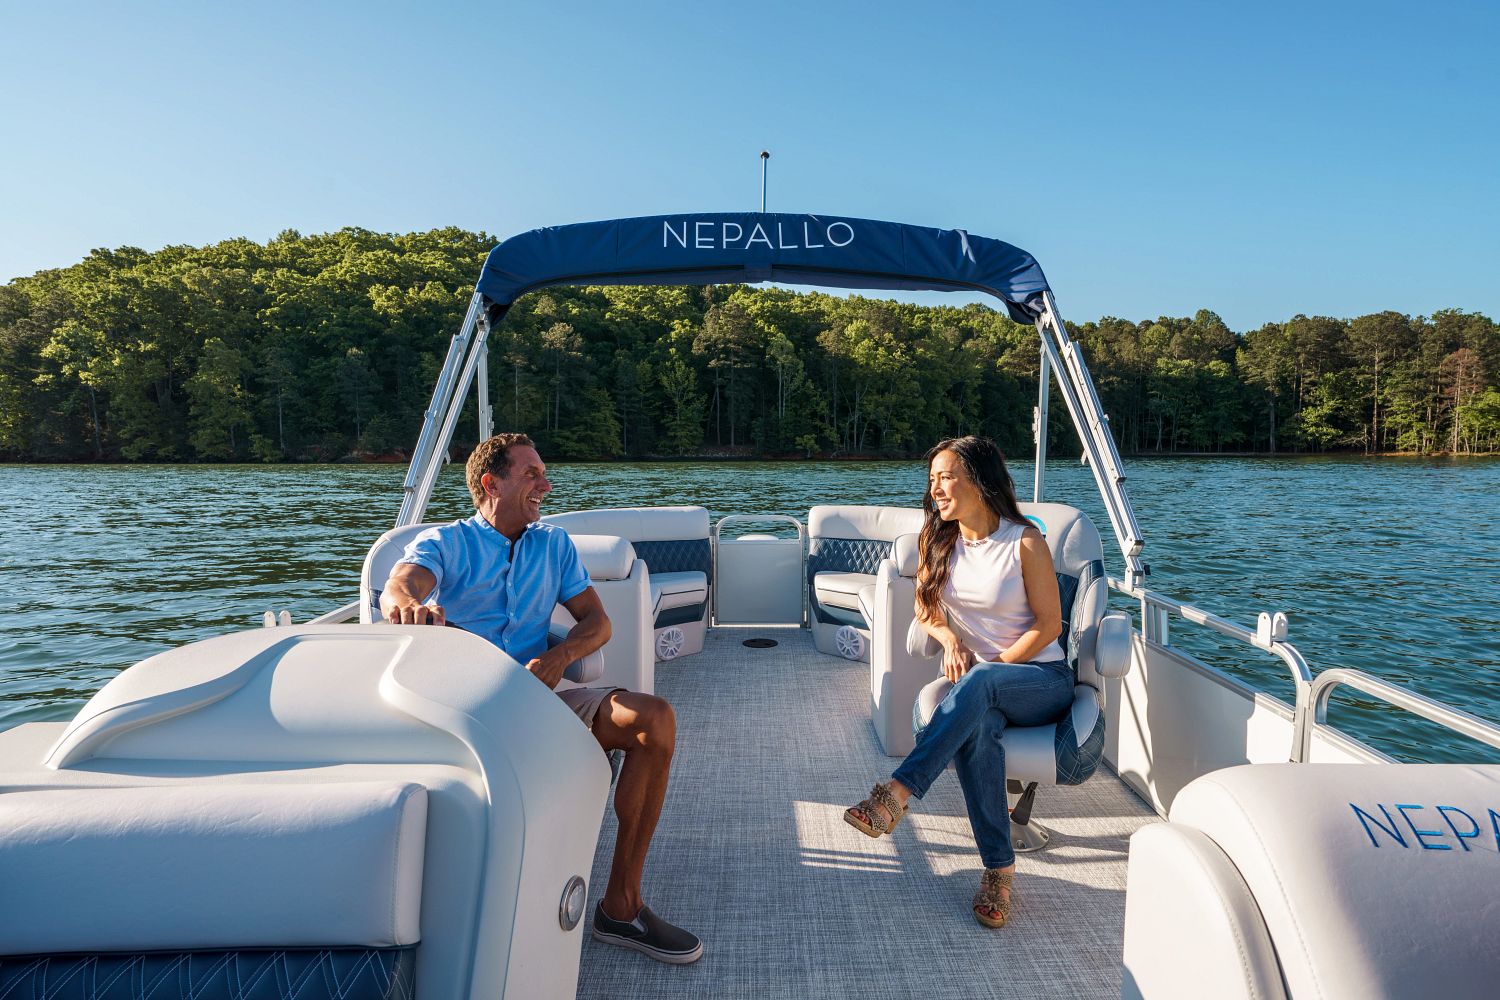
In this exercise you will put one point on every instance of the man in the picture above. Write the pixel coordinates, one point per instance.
(499, 574)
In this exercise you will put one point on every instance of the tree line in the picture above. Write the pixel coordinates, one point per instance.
(324, 347)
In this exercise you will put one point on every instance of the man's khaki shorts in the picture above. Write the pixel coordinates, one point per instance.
(585, 702)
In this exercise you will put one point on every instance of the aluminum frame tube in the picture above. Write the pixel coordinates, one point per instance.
(1099, 447)
(1315, 713)
(1039, 420)
(416, 502)
(457, 348)
(486, 413)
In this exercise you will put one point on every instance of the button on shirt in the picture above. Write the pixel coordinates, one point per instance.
(497, 589)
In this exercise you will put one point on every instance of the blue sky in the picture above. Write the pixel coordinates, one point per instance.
(1256, 159)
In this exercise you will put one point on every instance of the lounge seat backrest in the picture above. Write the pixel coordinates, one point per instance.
(516, 788)
(1368, 880)
(301, 866)
(667, 539)
(854, 539)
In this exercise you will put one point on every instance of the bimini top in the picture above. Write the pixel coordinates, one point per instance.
(757, 246)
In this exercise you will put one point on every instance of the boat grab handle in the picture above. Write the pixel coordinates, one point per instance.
(1444, 715)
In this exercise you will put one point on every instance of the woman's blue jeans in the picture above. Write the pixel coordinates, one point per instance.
(966, 729)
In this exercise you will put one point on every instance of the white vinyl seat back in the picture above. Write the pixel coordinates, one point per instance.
(675, 546)
(176, 868)
(846, 546)
(516, 785)
(1364, 880)
(1095, 643)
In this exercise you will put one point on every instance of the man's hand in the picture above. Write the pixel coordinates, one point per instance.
(549, 667)
(401, 601)
(416, 614)
(956, 660)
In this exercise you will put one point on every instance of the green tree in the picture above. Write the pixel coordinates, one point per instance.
(219, 403)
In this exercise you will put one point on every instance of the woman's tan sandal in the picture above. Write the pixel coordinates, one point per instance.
(873, 823)
(989, 900)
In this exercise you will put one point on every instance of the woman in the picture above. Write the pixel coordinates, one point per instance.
(987, 592)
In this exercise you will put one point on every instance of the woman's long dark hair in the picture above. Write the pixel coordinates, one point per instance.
(985, 465)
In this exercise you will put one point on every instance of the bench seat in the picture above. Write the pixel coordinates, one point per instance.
(841, 590)
(677, 590)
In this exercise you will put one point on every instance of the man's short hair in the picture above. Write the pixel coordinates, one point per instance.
(492, 456)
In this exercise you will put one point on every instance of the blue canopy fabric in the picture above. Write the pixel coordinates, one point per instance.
(716, 248)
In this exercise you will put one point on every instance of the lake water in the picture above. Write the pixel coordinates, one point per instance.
(1387, 565)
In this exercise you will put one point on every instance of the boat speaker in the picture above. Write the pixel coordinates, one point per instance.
(849, 643)
(669, 643)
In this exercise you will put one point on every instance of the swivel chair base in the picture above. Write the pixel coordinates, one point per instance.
(1029, 836)
(1026, 834)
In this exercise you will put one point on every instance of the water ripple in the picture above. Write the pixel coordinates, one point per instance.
(1389, 566)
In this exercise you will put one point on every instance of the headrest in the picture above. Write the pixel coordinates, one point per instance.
(179, 868)
(881, 523)
(1070, 535)
(636, 524)
(905, 554)
(607, 557)
(1374, 879)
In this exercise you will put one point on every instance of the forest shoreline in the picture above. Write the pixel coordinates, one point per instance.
(401, 459)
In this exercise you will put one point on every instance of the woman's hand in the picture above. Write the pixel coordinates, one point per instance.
(956, 660)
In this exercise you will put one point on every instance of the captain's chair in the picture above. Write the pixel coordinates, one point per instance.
(612, 567)
(1097, 645)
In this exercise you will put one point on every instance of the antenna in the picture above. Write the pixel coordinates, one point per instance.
(765, 155)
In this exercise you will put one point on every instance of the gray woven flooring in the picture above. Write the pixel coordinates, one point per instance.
(753, 855)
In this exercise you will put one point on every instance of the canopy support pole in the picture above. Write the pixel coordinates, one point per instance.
(1093, 431)
(486, 413)
(412, 505)
(1039, 425)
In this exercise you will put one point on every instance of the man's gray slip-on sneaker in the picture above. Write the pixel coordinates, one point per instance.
(649, 935)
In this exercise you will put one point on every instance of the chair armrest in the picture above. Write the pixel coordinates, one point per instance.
(580, 671)
(919, 644)
(904, 555)
(1112, 645)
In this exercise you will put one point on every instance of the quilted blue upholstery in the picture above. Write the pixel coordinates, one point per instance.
(1076, 763)
(1067, 590)
(845, 555)
(344, 973)
(678, 555)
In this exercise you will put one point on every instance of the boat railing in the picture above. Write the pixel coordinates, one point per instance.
(348, 613)
(1154, 628)
(1446, 716)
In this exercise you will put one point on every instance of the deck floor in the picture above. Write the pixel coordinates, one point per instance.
(753, 855)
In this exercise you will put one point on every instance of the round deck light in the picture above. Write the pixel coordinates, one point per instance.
(575, 895)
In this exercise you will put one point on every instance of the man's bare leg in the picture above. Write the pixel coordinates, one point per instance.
(645, 727)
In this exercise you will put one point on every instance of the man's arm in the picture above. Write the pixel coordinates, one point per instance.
(590, 633)
(401, 601)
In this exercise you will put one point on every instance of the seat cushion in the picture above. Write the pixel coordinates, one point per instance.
(841, 590)
(179, 868)
(678, 590)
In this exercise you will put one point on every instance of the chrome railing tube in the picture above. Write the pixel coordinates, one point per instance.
(418, 500)
(1091, 424)
(1447, 716)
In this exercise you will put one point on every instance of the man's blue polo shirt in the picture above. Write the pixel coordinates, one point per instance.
(502, 591)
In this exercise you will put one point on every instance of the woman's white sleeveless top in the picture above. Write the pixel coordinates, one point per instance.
(985, 596)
